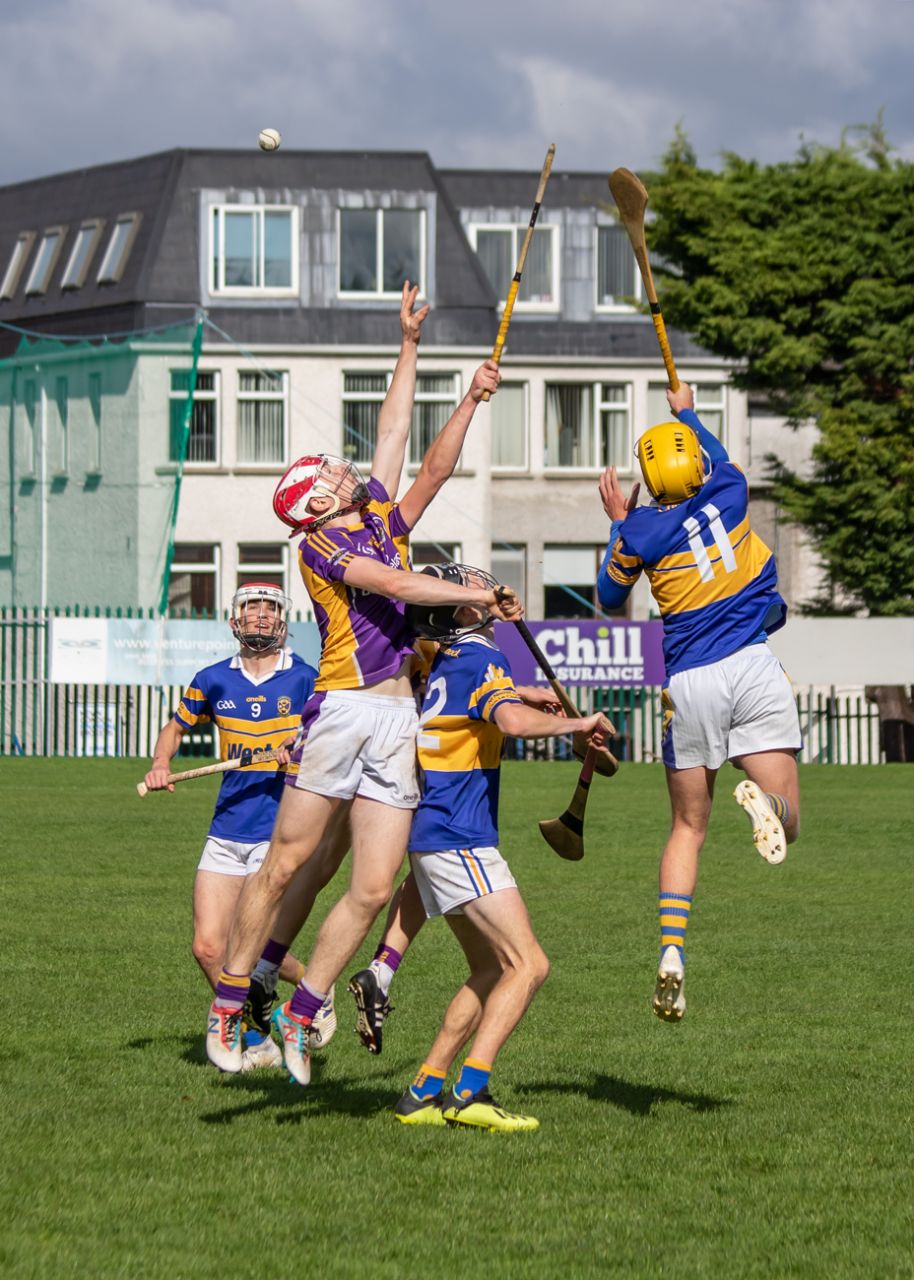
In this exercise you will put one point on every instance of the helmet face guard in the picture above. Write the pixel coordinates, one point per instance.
(672, 461)
(322, 476)
(439, 621)
(263, 631)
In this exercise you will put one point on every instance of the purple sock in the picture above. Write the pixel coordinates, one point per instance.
(232, 989)
(389, 956)
(305, 1002)
(275, 952)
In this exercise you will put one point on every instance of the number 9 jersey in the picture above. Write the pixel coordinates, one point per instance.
(713, 579)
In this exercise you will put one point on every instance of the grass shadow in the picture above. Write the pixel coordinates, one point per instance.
(637, 1099)
(273, 1092)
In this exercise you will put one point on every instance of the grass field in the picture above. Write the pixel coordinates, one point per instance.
(770, 1134)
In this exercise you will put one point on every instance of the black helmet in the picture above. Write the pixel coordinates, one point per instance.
(439, 621)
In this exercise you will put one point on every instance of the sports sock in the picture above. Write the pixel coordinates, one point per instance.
(780, 807)
(306, 1001)
(385, 964)
(428, 1083)
(252, 1038)
(474, 1076)
(266, 970)
(674, 911)
(231, 990)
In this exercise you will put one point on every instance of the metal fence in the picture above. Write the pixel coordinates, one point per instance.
(38, 718)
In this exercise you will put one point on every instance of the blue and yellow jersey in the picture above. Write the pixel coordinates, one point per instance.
(460, 747)
(364, 637)
(251, 716)
(714, 580)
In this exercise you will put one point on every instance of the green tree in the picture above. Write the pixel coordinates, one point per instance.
(803, 273)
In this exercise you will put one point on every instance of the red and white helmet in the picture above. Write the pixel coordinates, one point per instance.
(319, 475)
(265, 631)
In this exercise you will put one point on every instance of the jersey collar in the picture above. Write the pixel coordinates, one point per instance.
(284, 663)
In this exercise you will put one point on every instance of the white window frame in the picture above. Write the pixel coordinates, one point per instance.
(112, 267)
(704, 404)
(598, 404)
(205, 394)
(216, 275)
(90, 230)
(266, 397)
(614, 308)
(211, 567)
(519, 229)
(262, 571)
(14, 268)
(364, 397)
(516, 468)
(379, 212)
(38, 284)
(433, 397)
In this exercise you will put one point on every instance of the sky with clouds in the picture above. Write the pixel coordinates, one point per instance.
(479, 83)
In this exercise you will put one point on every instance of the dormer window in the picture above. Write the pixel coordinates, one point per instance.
(45, 260)
(618, 278)
(77, 268)
(254, 249)
(123, 235)
(13, 273)
(379, 250)
(497, 247)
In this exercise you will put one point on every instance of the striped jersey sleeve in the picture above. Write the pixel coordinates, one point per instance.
(620, 570)
(327, 552)
(494, 686)
(194, 708)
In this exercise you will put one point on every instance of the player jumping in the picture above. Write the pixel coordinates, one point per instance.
(726, 695)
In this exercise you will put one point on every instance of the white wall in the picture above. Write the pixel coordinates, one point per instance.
(846, 651)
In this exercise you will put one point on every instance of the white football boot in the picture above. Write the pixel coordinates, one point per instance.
(324, 1024)
(223, 1038)
(767, 831)
(265, 1054)
(295, 1036)
(669, 1001)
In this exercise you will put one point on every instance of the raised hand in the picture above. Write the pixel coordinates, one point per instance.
(410, 321)
(505, 605)
(486, 378)
(615, 503)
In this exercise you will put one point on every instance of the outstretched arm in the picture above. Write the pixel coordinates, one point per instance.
(444, 452)
(167, 744)
(423, 588)
(682, 402)
(619, 571)
(396, 414)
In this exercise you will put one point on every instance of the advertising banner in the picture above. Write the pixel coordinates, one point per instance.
(588, 651)
(155, 651)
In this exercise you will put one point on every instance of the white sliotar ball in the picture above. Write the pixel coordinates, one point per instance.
(269, 139)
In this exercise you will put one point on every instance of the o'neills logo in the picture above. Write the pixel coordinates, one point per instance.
(608, 655)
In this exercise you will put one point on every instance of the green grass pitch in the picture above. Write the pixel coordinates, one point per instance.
(768, 1135)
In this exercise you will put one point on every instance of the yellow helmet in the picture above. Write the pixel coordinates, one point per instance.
(671, 462)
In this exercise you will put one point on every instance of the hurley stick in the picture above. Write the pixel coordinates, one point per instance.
(222, 767)
(566, 834)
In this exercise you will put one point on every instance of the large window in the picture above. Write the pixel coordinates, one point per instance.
(709, 405)
(436, 400)
(508, 427)
(13, 273)
(193, 582)
(423, 553)
(123, 235)
(262, 401)
(497, 248)
(569, 580)
(380, 249)
(49, 249)
(363, 395)
(618, 278)
(203, 445)
(254, 250)
(261, 562)
(77, 268)
(509, 567)
(588, 426)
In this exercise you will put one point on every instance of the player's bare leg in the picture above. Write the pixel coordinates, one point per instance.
(770, 796)
(371, 987)
(691, 792)
(214, 901)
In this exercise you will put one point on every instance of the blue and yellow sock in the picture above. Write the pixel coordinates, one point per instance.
(674, 911)
(473, 1077)
(428, 1083)
(780, 807)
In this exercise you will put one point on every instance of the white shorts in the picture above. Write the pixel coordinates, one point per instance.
(232, 857)
(361, 744)
(741, 704)
(451, 877)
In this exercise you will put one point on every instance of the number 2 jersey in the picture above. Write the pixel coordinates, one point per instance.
(714, 581)
(460, 747)
(250, 716)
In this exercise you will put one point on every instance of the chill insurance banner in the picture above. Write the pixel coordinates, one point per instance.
(588, 652)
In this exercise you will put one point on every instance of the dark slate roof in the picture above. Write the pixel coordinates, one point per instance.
(477, 188)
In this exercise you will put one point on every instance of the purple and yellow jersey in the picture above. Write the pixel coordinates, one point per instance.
(460, 747)
(364, 637)
(714, 580)
(251, 716)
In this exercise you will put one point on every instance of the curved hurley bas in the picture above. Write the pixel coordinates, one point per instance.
(566, 834)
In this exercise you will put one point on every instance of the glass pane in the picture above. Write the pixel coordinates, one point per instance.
(217, 250)
(358, 251)
(713, 419)
(428, 419)
(180, 380)
(615, 266)
(614, 439)
(79, 256)
(360, 430)
(657, 408)
(509, 426)
(495, 250)
(277, 250)
(276, 575)
(536, 282)
(240, 251)
(194, 553)
(365, 382)
(402, 248)
(422, 553)
(111, 263)
(16, 263)
(614, 392)
(435, 384)
(509, 566)
(569, 426)
(40, 269)
(201, 447)
(261, 380)
(260, 431)
(709, 393)
(192, 591)
(261, 553)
